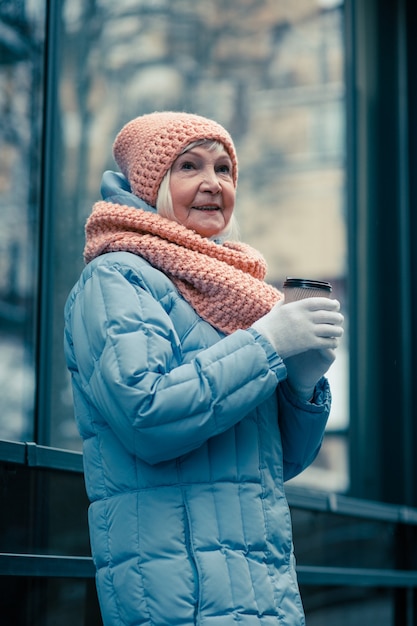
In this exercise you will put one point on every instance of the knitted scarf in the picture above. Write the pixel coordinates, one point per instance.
(223, 283)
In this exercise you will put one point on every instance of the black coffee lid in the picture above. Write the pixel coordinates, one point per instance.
(306, 283)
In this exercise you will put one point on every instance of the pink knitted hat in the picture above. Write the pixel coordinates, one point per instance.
(147, 146)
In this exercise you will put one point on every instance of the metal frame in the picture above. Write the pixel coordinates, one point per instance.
(46, 566)
(381, 149)
(49, 165)
(41, 457)
(355, 577)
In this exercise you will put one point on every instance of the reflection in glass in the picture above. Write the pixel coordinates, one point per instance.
(345, 606)
(21, 63)
(359, 544)
(49, 602)
(273, 75)
(43, 512)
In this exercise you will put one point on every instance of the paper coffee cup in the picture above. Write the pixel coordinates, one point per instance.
(299, 288)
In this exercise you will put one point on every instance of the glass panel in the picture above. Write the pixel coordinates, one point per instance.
(272, 73)
(48, 602)
(43, 512)
(348, 606)
(331, 540)
(326, 539)
(21, 64)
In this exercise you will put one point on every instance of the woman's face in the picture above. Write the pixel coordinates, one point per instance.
(202, 190)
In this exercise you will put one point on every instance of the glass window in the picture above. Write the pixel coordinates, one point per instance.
(43, 512)
(21, 66)
(272, 73)
(346, 606)
(332, 540)
(49, 601)
(363, 546)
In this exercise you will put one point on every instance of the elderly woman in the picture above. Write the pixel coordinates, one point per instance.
(196, 392)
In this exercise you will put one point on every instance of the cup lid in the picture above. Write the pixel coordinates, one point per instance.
(307, 283)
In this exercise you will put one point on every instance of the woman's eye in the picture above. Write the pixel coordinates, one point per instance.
(187, 165)
(224, 169)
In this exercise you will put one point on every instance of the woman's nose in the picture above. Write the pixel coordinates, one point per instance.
(210, 182)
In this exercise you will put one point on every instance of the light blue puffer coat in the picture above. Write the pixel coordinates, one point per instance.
(188, 438)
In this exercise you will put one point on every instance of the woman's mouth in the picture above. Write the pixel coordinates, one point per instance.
(207, 207)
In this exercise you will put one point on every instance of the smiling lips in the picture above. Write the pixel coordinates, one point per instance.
(207, 207)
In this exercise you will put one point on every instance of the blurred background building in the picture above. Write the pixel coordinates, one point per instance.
(320, 97)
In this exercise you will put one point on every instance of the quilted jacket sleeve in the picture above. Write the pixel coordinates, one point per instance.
(302, 426)
(125, 356)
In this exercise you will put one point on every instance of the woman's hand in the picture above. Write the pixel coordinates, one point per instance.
(304, 370)
(297, 327)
